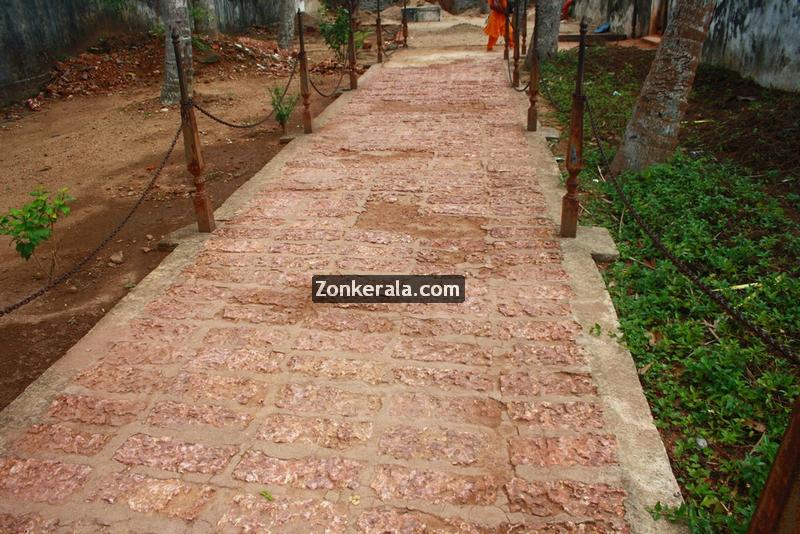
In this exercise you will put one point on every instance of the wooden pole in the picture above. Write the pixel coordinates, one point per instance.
(304, 88)
(570, 204)
(379, 33)
(505, 36)
(191, 145)
(515, 29)
(351, 44)
(533, 89)
(775, 514)
(524, 28)
(405, 24)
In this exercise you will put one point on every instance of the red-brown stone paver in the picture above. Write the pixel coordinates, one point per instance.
(481, 417)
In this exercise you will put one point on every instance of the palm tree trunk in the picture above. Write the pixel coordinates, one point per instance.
(208, 23)
(287, 15)
(175, 14)
(547, 22)
(652, 133)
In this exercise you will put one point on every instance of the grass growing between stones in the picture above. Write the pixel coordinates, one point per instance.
(720, 400)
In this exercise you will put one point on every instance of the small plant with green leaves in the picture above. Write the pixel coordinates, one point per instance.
(283, 106)
(34, 223)
(721, 400)
(336, 31)
(200, 44)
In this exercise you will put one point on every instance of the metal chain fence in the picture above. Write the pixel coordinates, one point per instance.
(229, 124)
(93, 253)
(338, 84)
(774, 345)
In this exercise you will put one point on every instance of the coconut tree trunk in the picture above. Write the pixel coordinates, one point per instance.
(547, 21)
(287, 13)
(652, 133)
(208, 22)
(175, 14)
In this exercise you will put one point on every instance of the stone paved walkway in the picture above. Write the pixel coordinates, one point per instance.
(481, 417)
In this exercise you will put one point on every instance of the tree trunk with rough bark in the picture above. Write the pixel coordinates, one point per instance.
(547, 21)
(207, 22)
(175, 14)
(287, 14)
(652, 133)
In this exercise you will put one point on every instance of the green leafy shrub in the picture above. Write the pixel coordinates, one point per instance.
(336, 31)
(33, 224)
(720, 400)
(283, 106)
(200, 44)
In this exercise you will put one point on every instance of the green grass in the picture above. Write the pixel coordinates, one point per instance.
(720, 400)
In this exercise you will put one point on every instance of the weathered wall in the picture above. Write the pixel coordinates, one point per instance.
(759, 39)
(459, 6)
(35, 33)
(452, 6)
(618, 12)
(236, 15)
(372, 5)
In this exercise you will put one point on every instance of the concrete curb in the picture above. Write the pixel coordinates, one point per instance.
(644, 464)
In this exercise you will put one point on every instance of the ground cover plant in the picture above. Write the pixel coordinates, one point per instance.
(726, 203)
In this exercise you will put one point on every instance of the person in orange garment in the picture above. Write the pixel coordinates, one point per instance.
(496, 24)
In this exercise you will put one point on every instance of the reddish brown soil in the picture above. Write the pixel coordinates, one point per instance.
(730, 117)
(735, 119)
(103, 147)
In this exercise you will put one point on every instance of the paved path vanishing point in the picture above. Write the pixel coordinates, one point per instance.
(482, 417)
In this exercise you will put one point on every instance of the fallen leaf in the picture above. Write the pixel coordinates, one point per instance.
(643, 370)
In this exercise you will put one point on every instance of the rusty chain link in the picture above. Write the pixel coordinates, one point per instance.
(511, 77)
(776, 346)
(338, 84)
(229, 124)
(549, 96)
(88, 257)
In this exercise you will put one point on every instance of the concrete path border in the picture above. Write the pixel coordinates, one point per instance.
(646, 471)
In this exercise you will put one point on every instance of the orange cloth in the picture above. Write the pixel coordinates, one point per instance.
(496, 25)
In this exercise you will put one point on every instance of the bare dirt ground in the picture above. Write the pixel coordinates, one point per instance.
(101, 137)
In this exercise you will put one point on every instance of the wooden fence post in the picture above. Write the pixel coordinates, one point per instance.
(524, 27)
(515, 77)
(778, 510)
(304, 88)
(405, 24)
(533, 89)
(570, 204)
(506, 35)
(379, 33)
(191, 144)
(351, 44)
